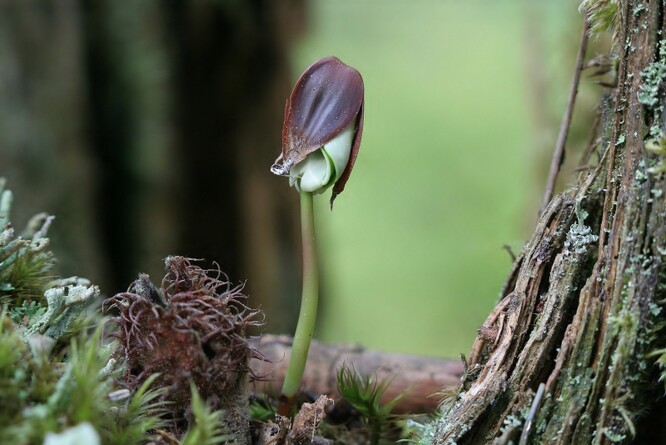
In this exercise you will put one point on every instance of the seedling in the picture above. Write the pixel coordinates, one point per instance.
(365, 394)
(321, 136)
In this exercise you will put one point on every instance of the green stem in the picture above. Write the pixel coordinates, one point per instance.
(308, 314)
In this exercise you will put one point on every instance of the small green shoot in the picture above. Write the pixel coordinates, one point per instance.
(144, 412)
(308, 312)
(261, 410)
(365, 394)
(207, 427)
(661, 362)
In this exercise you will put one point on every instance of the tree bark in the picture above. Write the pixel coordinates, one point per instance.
(565, 356)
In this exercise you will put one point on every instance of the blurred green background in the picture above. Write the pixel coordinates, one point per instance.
(413, 250)
(148, 128)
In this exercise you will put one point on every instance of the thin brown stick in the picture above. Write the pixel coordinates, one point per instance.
(558, 154)
(532, 414)
(420, 378)
(510, 252)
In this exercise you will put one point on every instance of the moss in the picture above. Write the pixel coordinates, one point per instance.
(365, 394)
(56, 375)
(42, 395)
(198, 320)
(603, 15)
(52, 377)
(207, 427)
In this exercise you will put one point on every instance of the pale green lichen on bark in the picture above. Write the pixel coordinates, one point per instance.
(653, 76)
(657, 145)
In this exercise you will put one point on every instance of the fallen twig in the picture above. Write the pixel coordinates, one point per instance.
(418, 376)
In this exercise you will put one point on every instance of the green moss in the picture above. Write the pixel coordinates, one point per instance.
(364, 393)
(41, 394)
(207, 427)
(58, 377)
(602, 15)
(53, 373)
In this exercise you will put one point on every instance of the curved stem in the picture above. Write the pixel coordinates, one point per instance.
(308, 313)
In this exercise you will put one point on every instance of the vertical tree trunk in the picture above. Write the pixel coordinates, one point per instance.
(565, 356)
(148, 127)
(44, 151)
(230, 65)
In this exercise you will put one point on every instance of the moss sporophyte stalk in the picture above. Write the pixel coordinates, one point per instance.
(321, 136)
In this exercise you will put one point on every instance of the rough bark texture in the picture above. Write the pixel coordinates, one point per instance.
(564, 357)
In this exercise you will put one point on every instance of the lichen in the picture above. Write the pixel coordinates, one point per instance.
(613, 436)
(657, 145)
(653, 76)
(579, 238)
(60, 377)
(55, 376)
(83, 433)
(35, 299)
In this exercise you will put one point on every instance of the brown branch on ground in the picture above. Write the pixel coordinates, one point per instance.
(421, 378)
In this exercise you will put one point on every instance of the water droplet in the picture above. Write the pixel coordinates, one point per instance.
(280, 169)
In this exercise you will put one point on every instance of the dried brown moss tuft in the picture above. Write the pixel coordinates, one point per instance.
(191, 329)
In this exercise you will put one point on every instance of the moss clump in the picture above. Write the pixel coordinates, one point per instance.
(42, 395)
(55, 384)
(602, 15)
(365, 394)
(192, 329)
(26, 263)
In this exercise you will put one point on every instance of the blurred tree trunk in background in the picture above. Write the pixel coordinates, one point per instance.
(231, 66)
(44, 146)
(148, 127)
